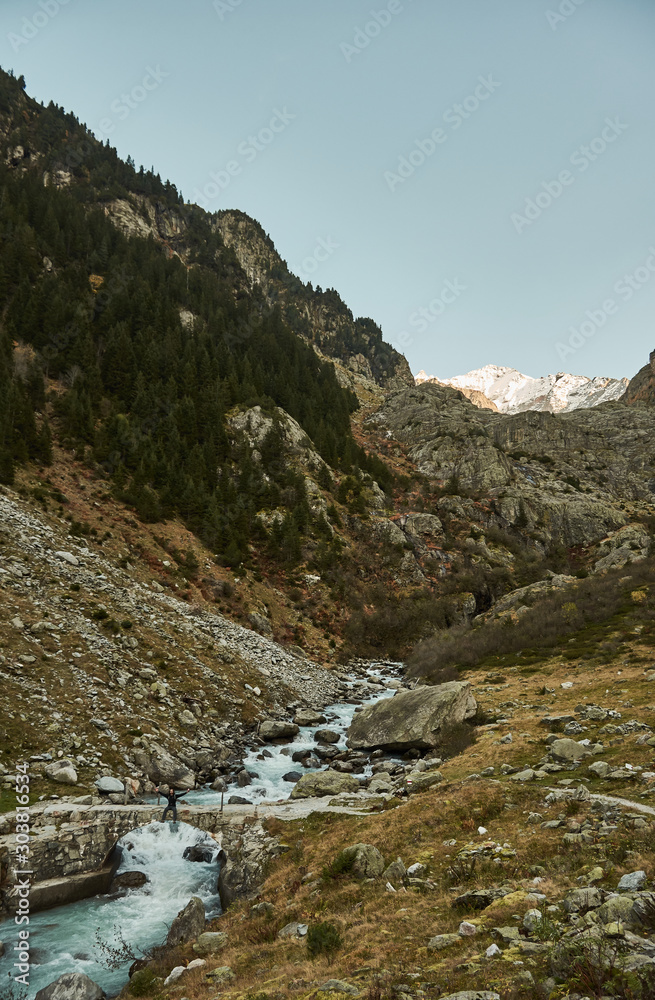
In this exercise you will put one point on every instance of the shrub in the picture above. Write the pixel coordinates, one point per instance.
(141, 982)
(589, 611)
(323, 939)
(341, 865)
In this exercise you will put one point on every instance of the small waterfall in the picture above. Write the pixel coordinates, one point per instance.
(65, 939)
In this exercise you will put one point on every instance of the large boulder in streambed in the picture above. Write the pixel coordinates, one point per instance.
(71, 986)
(320, 783)
(270, 729)
(412, 720)
(128, 880)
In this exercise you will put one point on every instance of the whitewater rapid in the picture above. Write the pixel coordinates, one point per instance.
(74, 938)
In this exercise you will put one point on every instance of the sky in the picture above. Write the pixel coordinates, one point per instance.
(474, 175)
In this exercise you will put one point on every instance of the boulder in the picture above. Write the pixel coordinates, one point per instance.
(395, 872)
(632, 882)
(339, 986)
(320, 783)
(420, 781)
(365, 860)
(556, 723)
(581, 900)
(188, 924)
(618, 909)
(479, 899)
(106, 785)
(380, 783)
(412, 719)
(326, 736)
(307, 717)
(644, 909)
(223, 974)
(600, 768)
(67, 557)
(472, 995)
(128, 880)
(292, 776)
(202, 853)
(260, 623)
(629, 544)
(71, 986)
(164, 769)
(293, 930)
(238, 800)
(568, 751)
(467, 929)
(62, 771)
(210, 942)
(532, 919)
(270, 729)
(441, 941)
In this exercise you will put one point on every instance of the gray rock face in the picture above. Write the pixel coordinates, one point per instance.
(412, 719)
(629, 544)
(188, 924)
(71, 986)
(448, 437)
(324, 783)
(272, 730)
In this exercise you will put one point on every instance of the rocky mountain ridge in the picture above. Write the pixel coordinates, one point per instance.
(509, 391)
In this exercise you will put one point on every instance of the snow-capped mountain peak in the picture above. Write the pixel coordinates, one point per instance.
(513, 392)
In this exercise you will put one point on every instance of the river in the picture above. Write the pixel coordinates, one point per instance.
(79, 937)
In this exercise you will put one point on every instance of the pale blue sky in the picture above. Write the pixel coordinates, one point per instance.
(350, 87)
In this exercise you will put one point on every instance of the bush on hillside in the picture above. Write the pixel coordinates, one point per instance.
(569, 618)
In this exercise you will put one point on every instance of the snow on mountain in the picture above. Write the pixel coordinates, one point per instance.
(513, 392)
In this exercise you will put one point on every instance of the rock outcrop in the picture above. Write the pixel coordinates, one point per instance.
(188, 924)
(641, 389)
